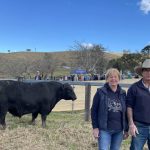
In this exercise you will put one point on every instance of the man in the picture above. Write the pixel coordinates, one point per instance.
(138, 108)
(37, 76)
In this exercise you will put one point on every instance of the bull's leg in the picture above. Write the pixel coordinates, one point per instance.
(2, 118)
(3, 112)
(2, 121)
(43, 117)
(34, 116)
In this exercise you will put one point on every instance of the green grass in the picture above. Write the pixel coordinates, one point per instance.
(64, 131)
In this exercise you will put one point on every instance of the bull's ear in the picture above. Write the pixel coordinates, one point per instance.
(62, 87)
(61, 91)
(66, 85)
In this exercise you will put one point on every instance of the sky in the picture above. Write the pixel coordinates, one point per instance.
(56, 25)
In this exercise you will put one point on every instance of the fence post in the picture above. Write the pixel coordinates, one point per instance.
(87, 101)
(73, 101)
(20, 78)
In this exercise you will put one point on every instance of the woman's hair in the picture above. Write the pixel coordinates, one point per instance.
(112, 71)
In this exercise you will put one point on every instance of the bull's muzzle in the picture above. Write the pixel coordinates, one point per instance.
(74, 98)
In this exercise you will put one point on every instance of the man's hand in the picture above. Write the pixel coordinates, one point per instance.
(133, 130)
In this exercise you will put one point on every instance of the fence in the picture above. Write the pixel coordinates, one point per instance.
(88, 93)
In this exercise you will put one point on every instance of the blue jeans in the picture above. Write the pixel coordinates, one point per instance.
(138, 142)
(110, 140)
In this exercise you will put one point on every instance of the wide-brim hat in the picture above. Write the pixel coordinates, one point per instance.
(146, 64)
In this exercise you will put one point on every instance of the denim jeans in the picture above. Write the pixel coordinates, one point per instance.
(110, 140)
(138, 142)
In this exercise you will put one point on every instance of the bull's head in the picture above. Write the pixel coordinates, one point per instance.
(68, 92)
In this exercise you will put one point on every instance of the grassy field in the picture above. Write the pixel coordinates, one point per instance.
(66, 130)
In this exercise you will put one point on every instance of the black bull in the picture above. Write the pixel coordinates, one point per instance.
(20, 98)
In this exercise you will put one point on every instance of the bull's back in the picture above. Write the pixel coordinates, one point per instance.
(25, 98)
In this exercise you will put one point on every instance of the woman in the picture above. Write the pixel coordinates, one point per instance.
(108, 113)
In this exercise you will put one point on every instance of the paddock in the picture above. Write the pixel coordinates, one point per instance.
(66, 129)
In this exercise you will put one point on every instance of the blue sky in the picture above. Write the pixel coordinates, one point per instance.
(55, 25)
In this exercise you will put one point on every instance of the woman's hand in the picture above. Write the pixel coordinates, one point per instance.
(96, 133)
(125, 135)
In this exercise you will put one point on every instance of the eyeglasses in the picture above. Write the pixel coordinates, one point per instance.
(146, 69)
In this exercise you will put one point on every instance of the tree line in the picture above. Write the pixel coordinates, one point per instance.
(129, 61)
(93, 60)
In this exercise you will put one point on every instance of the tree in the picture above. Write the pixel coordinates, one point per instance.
(115, 63)
(91, 58)
(18, 67)
(127, 62)
(14, 67)
(146, 51)
(46, 65)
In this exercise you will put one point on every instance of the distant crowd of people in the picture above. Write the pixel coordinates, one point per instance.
(73, 77)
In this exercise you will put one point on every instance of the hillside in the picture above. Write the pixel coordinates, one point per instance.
(63, 58)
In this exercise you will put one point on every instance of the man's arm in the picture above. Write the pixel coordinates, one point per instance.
(132, 128)
(130, 116)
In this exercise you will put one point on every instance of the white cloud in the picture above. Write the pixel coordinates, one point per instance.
(87, 45)
(145, 6)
